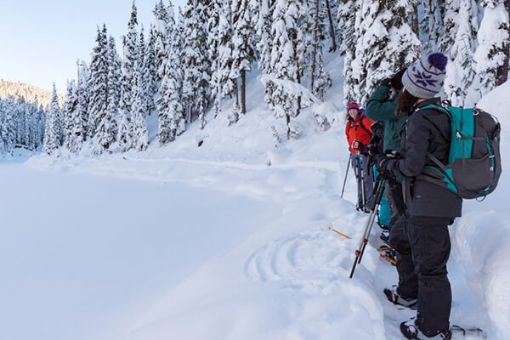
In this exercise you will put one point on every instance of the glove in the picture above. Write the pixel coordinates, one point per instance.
(373, 150)
(386, 82)
(396, 80)
(383, 165)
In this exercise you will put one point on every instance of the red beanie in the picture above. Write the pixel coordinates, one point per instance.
(352, 105)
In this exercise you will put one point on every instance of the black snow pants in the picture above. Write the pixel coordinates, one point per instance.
(395, 199)
(423, 248)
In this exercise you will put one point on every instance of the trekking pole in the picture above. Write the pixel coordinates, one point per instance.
(368, 227)
(346, 173)
(358, 180)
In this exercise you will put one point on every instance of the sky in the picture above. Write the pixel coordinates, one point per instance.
(40, 41)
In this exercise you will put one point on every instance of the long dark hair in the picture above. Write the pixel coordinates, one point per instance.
(406, 103)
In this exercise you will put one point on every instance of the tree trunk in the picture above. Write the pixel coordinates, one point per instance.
(243, 92)
(332, 34)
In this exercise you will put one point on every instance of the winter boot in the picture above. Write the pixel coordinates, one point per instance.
(411, 331)
(395, 298)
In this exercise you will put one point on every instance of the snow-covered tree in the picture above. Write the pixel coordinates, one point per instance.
(98, 81)
(172, 121)
(386, 44)
(197, 66)
(349, 19)
(319, 78)
(431, 24)
(150, 73)
(107, 130)
(491, 56)
(243, 45)
(265, 9)
(52, 135)
(128, 82)
(461, 20)
(139, 129)
(287, 58)
(69, 110)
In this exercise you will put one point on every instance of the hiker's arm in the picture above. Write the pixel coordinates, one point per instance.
(379, 106)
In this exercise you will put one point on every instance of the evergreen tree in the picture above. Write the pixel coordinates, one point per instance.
(139, 129)
(287, 58)
(319, 78)
(128, 82)
(431, 24)
(83, 92)
(349, 20)
(53, 130)
(172, 121)
(462, 17)
(243, 45)
(383, 51)
(150, 73)
(98, 81)
(213, 29)
(107, 128)
(197, 67)
(491, 56)
(70, 107)
(264, 44)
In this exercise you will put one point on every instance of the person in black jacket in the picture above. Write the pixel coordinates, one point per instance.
(421, 236)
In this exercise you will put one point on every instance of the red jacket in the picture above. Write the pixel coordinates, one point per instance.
(358, 130)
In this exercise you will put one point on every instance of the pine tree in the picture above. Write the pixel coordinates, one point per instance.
(491, 56)
(98, 81)
(243, 45)
(319, 78)
(139, 129)
(150, 73)
(462, 23)
(70, 107)
(349, 20)
(264, 44)
(383, 51)
(431, 24)
(107, 129)
(213, 33)
(83, 92)
(128, 82)
(287, 58)
(172, 120)
(197, 67)
(53, 130)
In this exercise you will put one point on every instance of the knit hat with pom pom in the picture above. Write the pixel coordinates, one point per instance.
(425, 78)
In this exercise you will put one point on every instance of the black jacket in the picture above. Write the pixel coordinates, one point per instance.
(426, 131)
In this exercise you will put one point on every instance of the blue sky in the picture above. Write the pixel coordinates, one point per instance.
(40, 41)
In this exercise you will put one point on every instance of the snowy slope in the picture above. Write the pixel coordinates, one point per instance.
(275, 271)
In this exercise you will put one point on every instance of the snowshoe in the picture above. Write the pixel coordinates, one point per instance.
(411, 331)
(464, 331)
(395, 298)
(388, 254)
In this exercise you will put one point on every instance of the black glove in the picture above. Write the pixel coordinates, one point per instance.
(386, 82)
(383, 164)
(373, 149)
(396, 80)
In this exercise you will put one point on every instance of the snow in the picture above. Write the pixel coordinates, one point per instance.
(229, 240)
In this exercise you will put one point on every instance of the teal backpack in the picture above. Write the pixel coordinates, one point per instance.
(474, 163)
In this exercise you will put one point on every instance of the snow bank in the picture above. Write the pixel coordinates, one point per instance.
(482, 236)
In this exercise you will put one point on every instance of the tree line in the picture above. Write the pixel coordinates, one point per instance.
(182, 67)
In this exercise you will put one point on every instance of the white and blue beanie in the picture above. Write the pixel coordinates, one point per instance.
(425, 78)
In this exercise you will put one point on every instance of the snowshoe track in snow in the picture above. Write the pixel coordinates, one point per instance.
(306, 261)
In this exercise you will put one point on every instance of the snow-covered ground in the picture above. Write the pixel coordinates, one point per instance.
(229, 240)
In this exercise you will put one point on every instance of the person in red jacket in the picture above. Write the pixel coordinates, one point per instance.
(358, 130)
